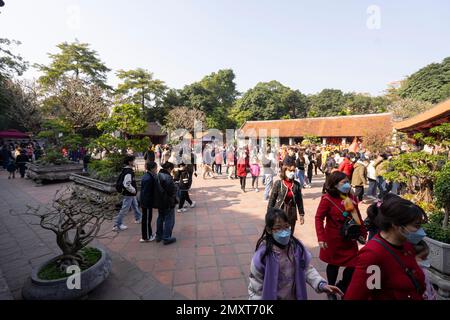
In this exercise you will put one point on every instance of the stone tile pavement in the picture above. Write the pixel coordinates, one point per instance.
(210, 260)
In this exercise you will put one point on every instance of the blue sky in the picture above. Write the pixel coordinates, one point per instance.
(307, 45)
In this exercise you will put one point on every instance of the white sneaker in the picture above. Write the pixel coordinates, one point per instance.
(120, 228)
(183, 210)
(185, 205)
(193, 204)
(152, 237)
(137, 221)
(179, 210)
(143, 241)
(256, 190)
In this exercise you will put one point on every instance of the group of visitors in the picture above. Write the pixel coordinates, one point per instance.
(164, 190)
(15, 156)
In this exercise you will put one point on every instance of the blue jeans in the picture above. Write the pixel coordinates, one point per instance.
(395, 187)
(301, 177)
(267, 182)
(127, 203)
(165, 223)
(382, 187)
(372, 190)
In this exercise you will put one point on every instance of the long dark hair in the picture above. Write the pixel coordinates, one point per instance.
(332, 180)
(271, 217)
(394, 210)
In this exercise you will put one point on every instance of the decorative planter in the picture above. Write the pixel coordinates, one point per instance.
(37, 289)
(40, 173)
(98, 190)
(439, 255)
(441, 281)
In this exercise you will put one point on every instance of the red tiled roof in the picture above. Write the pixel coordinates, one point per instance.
(342, 126)
(439, 114)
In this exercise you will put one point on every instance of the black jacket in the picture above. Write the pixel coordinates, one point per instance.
(184, 178)
(22, 159)
(300, 164)
(279, 192)
(148, 184)
(149, 156)
(169, 200)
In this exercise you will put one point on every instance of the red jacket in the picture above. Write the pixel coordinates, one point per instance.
(395, 283)
(242, 166)
(346, 167)
(340, 252)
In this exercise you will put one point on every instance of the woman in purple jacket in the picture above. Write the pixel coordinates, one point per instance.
(281, 267)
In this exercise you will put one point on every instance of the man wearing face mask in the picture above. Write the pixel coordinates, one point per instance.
(286, 195)
(392, 252)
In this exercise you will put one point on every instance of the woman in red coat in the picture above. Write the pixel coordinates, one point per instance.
(335, 249)
(242, 168)
(388, 259)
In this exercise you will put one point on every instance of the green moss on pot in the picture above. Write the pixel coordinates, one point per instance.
(52, 272)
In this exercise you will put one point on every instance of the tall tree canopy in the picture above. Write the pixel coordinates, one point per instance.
(138, 86)
(75, 60)
(429, 84)
(10, 63)
(327, 103)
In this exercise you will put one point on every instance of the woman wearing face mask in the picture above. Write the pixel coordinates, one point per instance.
(391, 251)
(287, 195)
(335, 249)
(281, 266)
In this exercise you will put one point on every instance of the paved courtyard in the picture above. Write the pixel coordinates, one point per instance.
(210, 260)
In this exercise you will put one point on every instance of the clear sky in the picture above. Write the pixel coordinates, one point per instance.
(307, 45)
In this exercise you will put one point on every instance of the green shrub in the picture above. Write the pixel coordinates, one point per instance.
(52, 156)
(434, 227)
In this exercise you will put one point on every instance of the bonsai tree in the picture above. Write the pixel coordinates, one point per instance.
(416, 169)
(75, 219)
(442, 192)
(59, 135)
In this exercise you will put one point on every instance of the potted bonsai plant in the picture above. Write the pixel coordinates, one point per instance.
(53, 166)
(76, 221)
(119, 131)
(437, 228)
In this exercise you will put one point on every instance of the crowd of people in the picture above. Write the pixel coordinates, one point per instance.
(15, 156)
(391, 236)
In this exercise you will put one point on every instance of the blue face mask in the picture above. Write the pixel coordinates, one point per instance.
(415, 237)
(282, 236)
(345, 188)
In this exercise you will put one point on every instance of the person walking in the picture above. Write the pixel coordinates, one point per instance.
(184, 180)
(310, 167)
(286, 195)
(11, 165)
(149, 155)
(165, 155)
(338, 208)
(300, 166)
(289, 159)
(380, 169)
(207, 163)
(242, 169)
(359, 178)
(346, 166)
(126, 184)
(268, 163)
(372, 178)
(147, 196)
(166, 204)
(255, 171)
(281, 266)
(218, 160)
(318, 162)
(231, 165)
(21, 162)
(392, 252)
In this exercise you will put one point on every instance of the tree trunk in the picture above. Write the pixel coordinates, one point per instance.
(445, 222)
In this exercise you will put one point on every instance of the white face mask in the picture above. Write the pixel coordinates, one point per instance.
(424, 263)
(290, 175)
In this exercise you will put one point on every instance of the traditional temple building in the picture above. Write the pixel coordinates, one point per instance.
(425, 121)
(332, 130)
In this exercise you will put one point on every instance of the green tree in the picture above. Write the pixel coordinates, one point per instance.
(327, 103)
(296, 103)
(75, 60)
(125, 122)
(266, 101)
(365, 104)
(10, 63)
(429, 84)
(139, 87)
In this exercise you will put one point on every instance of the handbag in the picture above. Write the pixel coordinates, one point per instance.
(350, 229)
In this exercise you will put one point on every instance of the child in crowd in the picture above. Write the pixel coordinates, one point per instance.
(281, 266)
(255, 170)
(422, 252)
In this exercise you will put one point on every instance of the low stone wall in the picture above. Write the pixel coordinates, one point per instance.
(41, 173)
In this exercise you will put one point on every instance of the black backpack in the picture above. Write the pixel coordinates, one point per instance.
(119, 181)
(160, 195)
